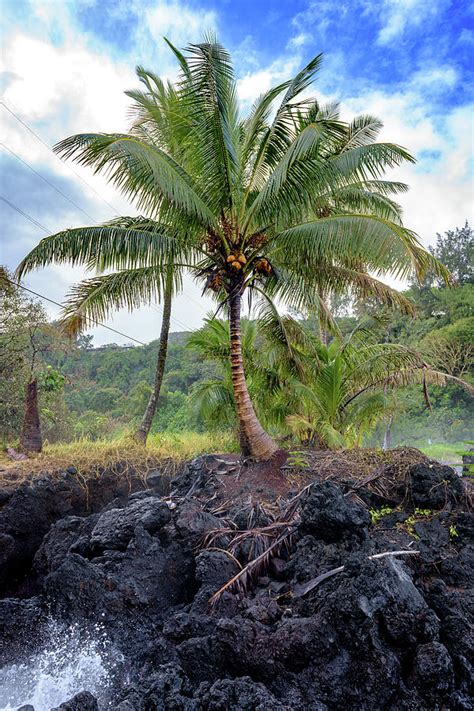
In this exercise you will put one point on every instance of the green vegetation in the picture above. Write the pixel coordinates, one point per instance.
(446, 452)
(288, 204)
(107, 389)
(377, 514)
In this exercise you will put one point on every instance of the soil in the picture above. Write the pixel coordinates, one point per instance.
(254, 586)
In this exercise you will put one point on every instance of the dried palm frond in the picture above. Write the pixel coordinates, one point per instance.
(263, 543)
(239, 581)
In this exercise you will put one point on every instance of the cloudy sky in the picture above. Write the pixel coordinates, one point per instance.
(65, 65)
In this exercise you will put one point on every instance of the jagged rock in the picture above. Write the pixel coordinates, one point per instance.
(433, 667)
(115, 528)
(84, 701)
(20, 627)
(433, 485)
(71, 533)
(329, 515)
(191, 521)
(387, 633)
(241, 693)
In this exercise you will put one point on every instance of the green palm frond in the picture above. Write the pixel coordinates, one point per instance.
(211, 97)
(279, 134)
(141, 171)
(120, 244)
(383, 246)
(97, 298)
(362, 131)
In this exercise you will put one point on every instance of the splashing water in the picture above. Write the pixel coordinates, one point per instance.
(71, 660)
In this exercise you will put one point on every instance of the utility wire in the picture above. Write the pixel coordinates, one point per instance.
(66, 197)
(45, 229)
(25, 215)
(88, 318)
(23, 123)
(173, 318)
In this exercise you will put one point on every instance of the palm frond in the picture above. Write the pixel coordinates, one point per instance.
(141, 171)
(97, 298)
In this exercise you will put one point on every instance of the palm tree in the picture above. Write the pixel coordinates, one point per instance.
(136, 280)
(270, 205)
(274, 355)
(347, 390)
(327, 395)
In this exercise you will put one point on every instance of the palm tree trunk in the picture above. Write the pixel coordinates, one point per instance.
(323, 333)
(387, 438)
(254, 441)
(30, 439)
(144, 429)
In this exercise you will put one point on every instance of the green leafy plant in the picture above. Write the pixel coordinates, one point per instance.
(468, 453)
(416, 516)
(376, 514)
(298, 460)
(51, 380)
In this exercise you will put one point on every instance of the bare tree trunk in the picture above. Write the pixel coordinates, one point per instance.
(30, 439)
(254, 441)
(142, 433)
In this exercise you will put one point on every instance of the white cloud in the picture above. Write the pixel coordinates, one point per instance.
(398, 15)
(251, 85)
(299, 40)
(440, 195)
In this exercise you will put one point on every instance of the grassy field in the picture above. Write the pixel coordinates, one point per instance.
(90, 458)
(445, 452)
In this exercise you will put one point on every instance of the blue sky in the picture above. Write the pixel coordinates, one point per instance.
(65, 66)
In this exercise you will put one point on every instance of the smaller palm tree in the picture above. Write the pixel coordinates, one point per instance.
(133, 248)
(348, 389)
(326, 395)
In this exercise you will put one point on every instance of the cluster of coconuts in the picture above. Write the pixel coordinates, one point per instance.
(216, 282)
(236, 261)
(263, 266)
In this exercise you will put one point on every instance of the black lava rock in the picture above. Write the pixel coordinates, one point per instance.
(84, 701)
(380, 634)
(433, 485)
(329, 515)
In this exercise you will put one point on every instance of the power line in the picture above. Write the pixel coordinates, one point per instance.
(173, 318)
(88, 318)
(38, 138)
(25, 215)
(45, 229)
(49, 183)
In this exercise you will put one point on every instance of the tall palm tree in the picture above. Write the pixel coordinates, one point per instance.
(261, 200)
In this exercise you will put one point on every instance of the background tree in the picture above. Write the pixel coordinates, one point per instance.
(455, 249)
(26, 340)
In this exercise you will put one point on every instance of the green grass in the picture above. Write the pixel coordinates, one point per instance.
(445, 452)
(90, 458)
